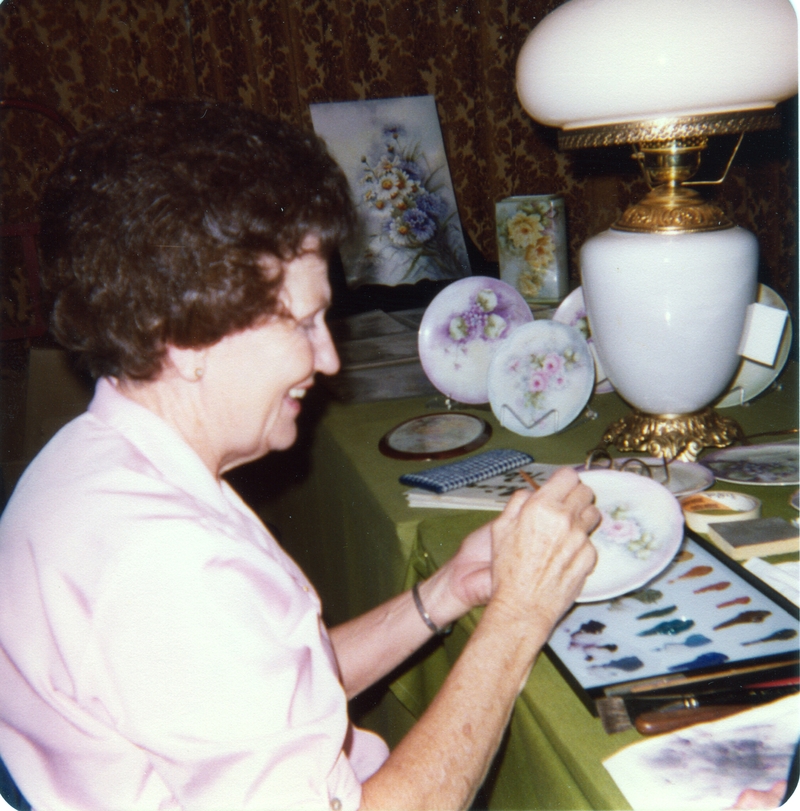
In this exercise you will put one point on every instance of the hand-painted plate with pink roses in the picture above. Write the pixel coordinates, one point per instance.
(541, 378)
(572, 311)
(461, 330)
(640, 532)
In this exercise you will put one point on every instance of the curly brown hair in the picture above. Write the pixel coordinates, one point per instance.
(155, 226)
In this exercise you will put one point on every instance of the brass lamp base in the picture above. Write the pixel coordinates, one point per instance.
(672, 436)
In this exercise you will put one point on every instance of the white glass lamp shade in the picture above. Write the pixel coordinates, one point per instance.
(667, 312)
(595, 62)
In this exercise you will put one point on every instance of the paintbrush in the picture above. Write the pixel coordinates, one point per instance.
(679, 680)
(658, 722)
(529, 479)
(618, 713)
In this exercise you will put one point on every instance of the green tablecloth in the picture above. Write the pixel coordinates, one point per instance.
(346, 521)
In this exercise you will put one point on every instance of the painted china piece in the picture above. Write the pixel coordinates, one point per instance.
(462, 329)
(532, 246)
(754, 378)
(698, 613)
(572, 311)
(435, 436)
(639, 534)
(541, 378)
(770, 464)
(680, 478)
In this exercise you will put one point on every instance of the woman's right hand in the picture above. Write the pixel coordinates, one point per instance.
(541, 551)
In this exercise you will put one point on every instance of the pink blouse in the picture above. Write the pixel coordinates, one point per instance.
(158, 649)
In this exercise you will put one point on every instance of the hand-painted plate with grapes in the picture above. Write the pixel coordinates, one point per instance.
(639, 534)
(462, 329)
(541, 378)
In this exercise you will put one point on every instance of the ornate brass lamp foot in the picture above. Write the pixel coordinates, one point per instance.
(673, 436)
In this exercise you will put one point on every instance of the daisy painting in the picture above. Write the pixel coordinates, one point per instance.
(393, 155)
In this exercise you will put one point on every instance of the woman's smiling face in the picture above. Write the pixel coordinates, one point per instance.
(254, 380)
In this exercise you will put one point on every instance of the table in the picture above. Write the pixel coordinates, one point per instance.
(341, 513)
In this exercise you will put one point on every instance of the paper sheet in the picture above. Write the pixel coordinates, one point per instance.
(705, 767)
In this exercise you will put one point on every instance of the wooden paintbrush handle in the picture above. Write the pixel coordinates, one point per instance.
(656, 722)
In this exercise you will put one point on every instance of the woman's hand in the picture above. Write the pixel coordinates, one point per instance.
(530, 563)
(541, 551)
(542, 533)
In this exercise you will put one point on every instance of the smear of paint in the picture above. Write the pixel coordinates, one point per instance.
(737, 601)
(659, 612)
(591, 627)
(627, 663)
(684, 556)
(693, 641)
(704, 660)
(744, 618)
(784, 633)
(697, 571)
(647, 595)
(668, 628)
(714, 587)
(586, 648)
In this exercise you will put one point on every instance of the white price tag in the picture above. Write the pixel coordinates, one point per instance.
(763, 330)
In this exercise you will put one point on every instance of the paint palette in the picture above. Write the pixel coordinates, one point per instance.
(462, 329)
(703, 613)
(639, 534)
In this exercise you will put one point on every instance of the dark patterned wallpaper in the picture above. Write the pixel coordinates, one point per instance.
(89, 59)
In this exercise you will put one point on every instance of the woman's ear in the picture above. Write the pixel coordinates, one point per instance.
(188, 363)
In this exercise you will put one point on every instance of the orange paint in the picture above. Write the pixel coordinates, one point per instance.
(697, 571)
(737, 601)
(714, 587)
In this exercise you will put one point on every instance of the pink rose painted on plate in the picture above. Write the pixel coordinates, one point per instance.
(618, 527)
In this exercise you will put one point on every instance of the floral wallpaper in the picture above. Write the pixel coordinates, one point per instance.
(89, 59)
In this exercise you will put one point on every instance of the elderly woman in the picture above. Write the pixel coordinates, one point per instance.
(158, 649)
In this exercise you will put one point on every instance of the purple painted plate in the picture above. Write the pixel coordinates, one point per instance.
(462, 329)
(770, 464)
(541, 378)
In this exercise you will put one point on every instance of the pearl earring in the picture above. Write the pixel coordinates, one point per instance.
(198, 372)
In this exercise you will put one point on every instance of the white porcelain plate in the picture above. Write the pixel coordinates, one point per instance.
(461, 330)
(541, 378)
(773, 463)
(640, 532)
(680, 478)
(572, 312)
(753, 378)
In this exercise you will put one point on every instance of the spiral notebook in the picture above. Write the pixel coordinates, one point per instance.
(451, 476)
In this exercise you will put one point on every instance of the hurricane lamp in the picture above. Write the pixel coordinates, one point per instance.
(667, 286)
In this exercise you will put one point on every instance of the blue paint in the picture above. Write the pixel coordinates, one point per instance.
(696, 640)
(627, 663)
(704, 660)
(659, 612)
(670, 628)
